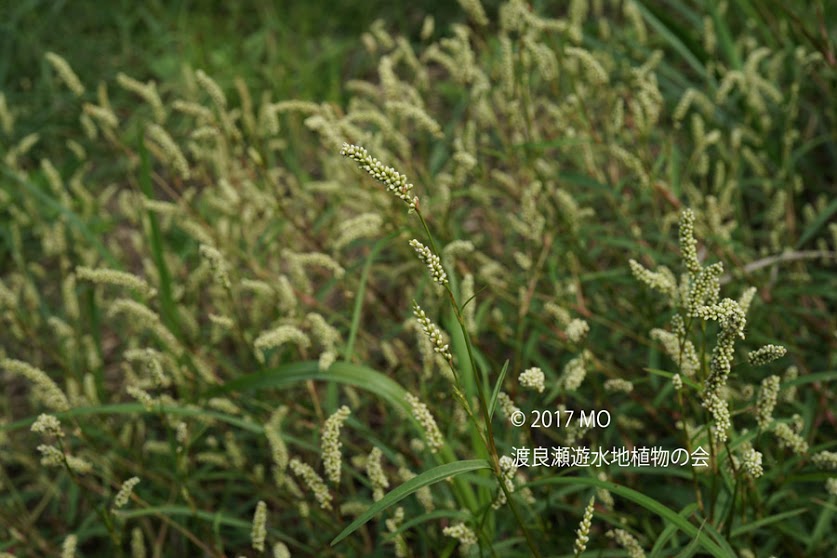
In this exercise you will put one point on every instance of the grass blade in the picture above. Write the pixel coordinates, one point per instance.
(720, 549)
(497, 387)
(426, 478)
(341, 372)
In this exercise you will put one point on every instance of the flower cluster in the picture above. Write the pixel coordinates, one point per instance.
(49, 425)
(532, 378)
(583, 532)
(432, 261)
(628, 542)
(388, 176)
(330, 443)
(279, 336)
(433, 332)
(766, 354)
(463, 534)
(767, 400)
(790, 439)
(574, 373)
(431, 430)
(376, 474)
(258, 532)
(115, 277)
(752, 463)
(508, 469)
(313, 481)
(576, 330)
(125, 492)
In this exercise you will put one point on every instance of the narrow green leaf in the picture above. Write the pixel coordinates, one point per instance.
(823, 524)
(669, 532)
(497, 386)
(167, 306)
(818, 223)
(720, 549)
(426, 478)
(756, 525)
(673, 39)
(359, 296)
(217, 518)
(137, 408)
(665, 374)
(343, 372)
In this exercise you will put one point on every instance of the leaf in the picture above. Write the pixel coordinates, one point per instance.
(426, 478)
(137, 408)
(755, 525)
(343, 372)
(669, 531)
(817, 223)
(360, 295)
(497, 387)
(686, 380)
(720, 549)
(673, 39)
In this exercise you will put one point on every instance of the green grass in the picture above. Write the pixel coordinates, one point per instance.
(556, 179)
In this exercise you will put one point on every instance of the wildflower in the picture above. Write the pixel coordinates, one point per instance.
(217, 264)
(752, 463)
(388, 176)
(174, 156)
(279, 336)
(258, 533)
(825, 460)
(68, 549)
(532, 378)
(662, 281)
(49, 425)
(767, 400)
(313, 481)
(147, 91)
(677, 382)
(574, 373)
(508, 469)
(66, 73)
(831, 486)
(618, 384)
(432, 261)
(628, 542)
(688, 243)
(766, 354)
(213, 90)
(45, 389)
(583, 532)
(790, 439)
(137, 543)
(376, 474)
(330, 443)
(433, 332)
(431, 431)
(364, 225)
(280, 550)
(51, 456)
(576, 330)
(592, 67)
(475, 11)
(124, 493)
(463, 534)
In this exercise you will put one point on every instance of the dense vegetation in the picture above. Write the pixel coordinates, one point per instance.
(280, 283)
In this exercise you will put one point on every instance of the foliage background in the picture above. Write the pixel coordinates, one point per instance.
(781, 200)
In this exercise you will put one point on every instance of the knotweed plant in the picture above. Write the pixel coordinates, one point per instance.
(548, 279)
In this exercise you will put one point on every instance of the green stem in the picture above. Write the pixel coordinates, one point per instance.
(481, 394)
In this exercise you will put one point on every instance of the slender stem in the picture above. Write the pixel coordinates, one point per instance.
(492, 448)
